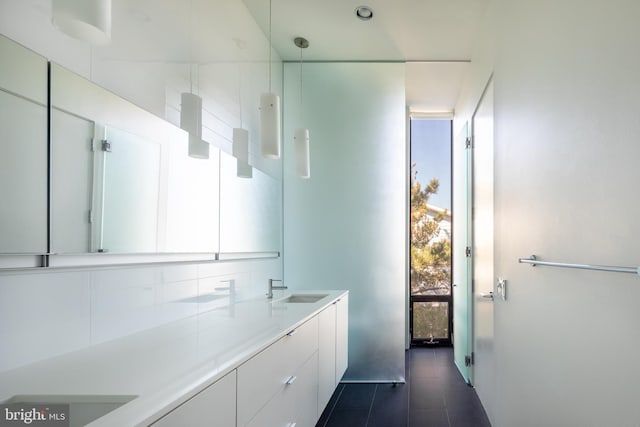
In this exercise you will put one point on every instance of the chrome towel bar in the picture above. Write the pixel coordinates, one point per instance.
(535, 261)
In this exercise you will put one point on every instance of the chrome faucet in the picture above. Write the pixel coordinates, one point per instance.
(271, 287)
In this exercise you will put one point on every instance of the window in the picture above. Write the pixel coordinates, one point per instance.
(431, 301)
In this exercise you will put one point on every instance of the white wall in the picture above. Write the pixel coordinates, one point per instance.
(48, 312)
(566, 91)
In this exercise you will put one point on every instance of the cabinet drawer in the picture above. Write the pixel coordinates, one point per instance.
(295, 404)
(266, 374)
(213, 406)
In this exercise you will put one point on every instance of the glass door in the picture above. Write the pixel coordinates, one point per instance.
(431, 299)
(461, 257)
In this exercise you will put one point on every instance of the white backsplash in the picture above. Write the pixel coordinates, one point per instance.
(48, 313)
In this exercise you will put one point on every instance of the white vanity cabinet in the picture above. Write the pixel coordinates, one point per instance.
(213, 406)
(342, 336)
(287, 383)
(333, 347)
(296, 404)
(327, 355)
(275, 381)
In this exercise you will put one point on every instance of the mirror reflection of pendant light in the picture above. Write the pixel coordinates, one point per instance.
(241, 152)
(88, 20)
(241, 140)
(191, 121)
(301, 135)
(270, 115)
(191, 108)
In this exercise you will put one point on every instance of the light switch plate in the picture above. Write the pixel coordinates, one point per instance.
(501, 288)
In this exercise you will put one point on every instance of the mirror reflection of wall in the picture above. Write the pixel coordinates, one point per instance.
(23, 150)
(71, 183)
(250, 210)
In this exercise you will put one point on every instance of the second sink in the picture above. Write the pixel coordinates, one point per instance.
(301, 298)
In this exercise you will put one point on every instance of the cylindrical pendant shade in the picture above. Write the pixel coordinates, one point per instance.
(244, 169)
(88, 20)
(301, 138)
(191, 114)
(198, 149)
(241, 144)
(191, 121)
(270, 125)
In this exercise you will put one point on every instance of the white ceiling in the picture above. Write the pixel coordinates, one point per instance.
(399, 30)
(436, 36)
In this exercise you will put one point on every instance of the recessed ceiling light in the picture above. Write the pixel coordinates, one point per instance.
(364, 12)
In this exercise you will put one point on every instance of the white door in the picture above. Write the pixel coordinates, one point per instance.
(482, 252)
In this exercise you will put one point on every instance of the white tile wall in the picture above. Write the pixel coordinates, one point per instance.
(44, 313)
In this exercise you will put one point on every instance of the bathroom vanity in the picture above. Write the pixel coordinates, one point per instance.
(257, 362)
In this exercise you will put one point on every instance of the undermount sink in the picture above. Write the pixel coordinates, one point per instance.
(82, 409)
(301, 298)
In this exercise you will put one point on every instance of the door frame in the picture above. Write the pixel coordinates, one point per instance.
(472, 197)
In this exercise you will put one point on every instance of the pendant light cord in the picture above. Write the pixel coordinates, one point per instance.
(269, 46)
(301, 110)
(191, 42)
(240, 90)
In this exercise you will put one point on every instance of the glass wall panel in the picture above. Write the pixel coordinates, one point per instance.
(346, 226)
(461, 239)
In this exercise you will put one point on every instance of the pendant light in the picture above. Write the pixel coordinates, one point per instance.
(240, 149)
(88, 20)
(270, 115)
(191, 121)
(301, 135)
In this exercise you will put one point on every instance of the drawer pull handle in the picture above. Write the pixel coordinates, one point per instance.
(292, 332)
(291, 380)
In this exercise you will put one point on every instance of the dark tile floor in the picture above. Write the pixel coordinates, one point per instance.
(435, 395)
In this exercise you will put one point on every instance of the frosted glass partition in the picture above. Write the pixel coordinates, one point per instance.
(250, 210)
(23, 150)
(346, 225)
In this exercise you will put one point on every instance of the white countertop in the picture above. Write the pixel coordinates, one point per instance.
(166, 365)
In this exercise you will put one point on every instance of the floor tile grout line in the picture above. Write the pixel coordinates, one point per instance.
(409, 382)
(446, 409)
(373, 399)
(334, 406)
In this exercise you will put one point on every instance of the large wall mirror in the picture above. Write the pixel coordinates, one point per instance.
(119, 180)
